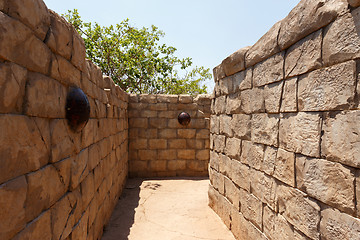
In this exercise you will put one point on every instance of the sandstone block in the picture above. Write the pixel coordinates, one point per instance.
(233, 103)
(268, 165)
(242, 80)
(164, 98)
(218, 72)
(217, 181)
(61, 36)
(174, 165)
(235, 62)
(169, 154)
(33, 53)
(289, 96)
(197, 166)
(265, 47)
(40, 228)
(158, 107)
(177, 143)
(323, 90)
(87, 190)
(78, 54)
(284, 167)
(220, 105)
(233, 147)
(225, 125)
(186, 154)
(226, 86)
(24, 145)
(138, 166)
(241, 126)
(157, 144)
(33, 14)
(225, 164)
(307, 17)
(326, 181)
(185, 98)
(80, 231)
(12, 85)
(240, 174)
(45, 97)
(300, 133)
(202, 134)
(63, 71)
(263, 187)
(232, 192)
(138, 144)
(203, 155)
(186, 133)
(264, 129)
(147, 98)
(214, 160)
(158, 122)
(138, 122)
(219, 143)
(157, 165)
(304, 56)
(79, 168)
(252, 154)
(252, 101)
(44, 189)
(251, 208)
(357, 193)
(341, 40)
(340, 141)
(299, 210)
(272, 96)
(337, 225)
(167, 133)
(12, 200)
(269, 71)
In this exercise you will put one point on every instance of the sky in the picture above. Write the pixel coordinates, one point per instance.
(206, 30)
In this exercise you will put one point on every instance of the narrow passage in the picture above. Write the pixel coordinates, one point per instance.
(166, 209)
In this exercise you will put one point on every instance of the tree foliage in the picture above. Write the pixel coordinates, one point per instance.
(136, 60)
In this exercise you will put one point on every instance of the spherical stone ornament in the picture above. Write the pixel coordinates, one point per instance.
(184, 118)
(77, 109)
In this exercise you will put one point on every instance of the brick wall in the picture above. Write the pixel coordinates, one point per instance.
(159, 145)
(285, 127)
(54, 183)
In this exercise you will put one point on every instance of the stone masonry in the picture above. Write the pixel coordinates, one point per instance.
(285, 126)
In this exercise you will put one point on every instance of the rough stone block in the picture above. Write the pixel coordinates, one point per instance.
(24, 145)
(218, 72)
(265, 129)
(272, 96)
(78, 54)
(241, 126)
(158, 165)
(251, 208)
(225, 164)
(263, 187)
(147, 98)
(138, 166)
(242, 80)
(340, 141)
(233, 103)
(289, 96)
(63, 71)
(304, 56)
(138, 122)
(252, 101)
(186, 154)
(232, 192)
(214, 160)
(240, 175)
(33, 53)
(268, 165)
(337, 225)
(354, 3)
(326, 181)
(300, 133)
(203, 155)
(235, 62)
(138, 144)
(233, 147)
(323, 89)
(202, 134)
(158, 122)
(220, 105)
(284, 167)
(12, 87)
(307, 17)
(79, 168)
(168, 154)
(177, 143)
(225, 125)
(157, 144)
(265, 47)
(299, 210)
(80, 231)
(252, 154)
(12, 200)
(269, 71)
(40, 228)
(186, 133)
(226, 86)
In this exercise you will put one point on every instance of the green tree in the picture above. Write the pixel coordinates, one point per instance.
(135, 59)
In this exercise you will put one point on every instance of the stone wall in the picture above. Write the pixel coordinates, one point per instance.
(159, 145)
(285, 127)
(55, 183)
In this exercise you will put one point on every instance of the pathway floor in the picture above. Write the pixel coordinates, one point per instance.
(169, 209)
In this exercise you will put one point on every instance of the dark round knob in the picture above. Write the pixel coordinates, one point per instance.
(77, 109)
(184, 118)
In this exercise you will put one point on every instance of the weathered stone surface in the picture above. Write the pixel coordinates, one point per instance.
(40, 228)
(186, 133)
(240, 174)
(341, 40)
(242, 80)
(62, 218)
(164, 98)
(226, 86)
(299, 210)
(268, 165)
(300, 133)
(219, 143)
(252, 154)
(45, 187)
(60, 38)
(80, 231)
(263, 187)
(272, 96)
(241, 126)
(225, 165)
(269, 71)
(233, 103)
(307, 17)
(79, 168)
(233, 147)
(12, 200)
(284, 167)
(12, 87)
(214, 160)
(220, 105)
(289, 96)
(340, 141)
(214, 124)
(323, 89)
(33, 13)
(232, 192)
(79, 52)
(217, 181)
(265, 129)
(251, 208)
(252, 101)
(265, 47)
(187, 154)
(225, 125)
(202, 133)
(354, 3)
(63, 71)
(33, 53)
(45, 97)
(326, 181)
(337, 225)
(235, 62)
(24, 146)
(357, 193)
(218, 72)
(304, 56)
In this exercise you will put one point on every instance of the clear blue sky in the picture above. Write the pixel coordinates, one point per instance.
(205, 30)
